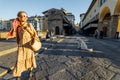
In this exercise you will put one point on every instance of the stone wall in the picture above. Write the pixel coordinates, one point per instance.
(111, 25)
(54, 19)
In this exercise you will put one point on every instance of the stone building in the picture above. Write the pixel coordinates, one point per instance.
(104, 16)
(57, 23)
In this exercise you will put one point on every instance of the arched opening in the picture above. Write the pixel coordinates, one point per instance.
(57, 30)
(103, 13)
(106, 25)
(105, 18)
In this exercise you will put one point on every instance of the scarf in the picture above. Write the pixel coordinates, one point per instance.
(15, 24)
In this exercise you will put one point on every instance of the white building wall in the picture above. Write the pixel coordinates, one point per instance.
(110, 4)
(81, 18)
(92, 13)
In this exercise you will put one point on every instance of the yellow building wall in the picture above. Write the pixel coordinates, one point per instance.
(118, 28)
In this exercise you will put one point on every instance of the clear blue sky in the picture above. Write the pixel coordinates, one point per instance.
(10, 8)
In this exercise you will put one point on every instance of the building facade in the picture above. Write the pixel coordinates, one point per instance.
(90, 18)
(71, 18)
(5, 25)
(104, 16)
(56, 22)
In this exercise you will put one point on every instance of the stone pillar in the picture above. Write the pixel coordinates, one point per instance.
(100, 26)
(113, 26)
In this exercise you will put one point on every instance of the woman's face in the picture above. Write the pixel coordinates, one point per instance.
(23, 17)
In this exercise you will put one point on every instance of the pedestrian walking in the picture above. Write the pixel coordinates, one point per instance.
(96, 33)
(24, 34)
(101, 35)
(48, 35)
(117, 35)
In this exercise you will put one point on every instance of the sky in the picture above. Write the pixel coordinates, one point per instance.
(10, 8)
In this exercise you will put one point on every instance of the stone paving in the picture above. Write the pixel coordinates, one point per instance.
(7, 60)
(63, 61)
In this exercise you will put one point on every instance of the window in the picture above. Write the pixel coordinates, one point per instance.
(52, 12)
(95, 10)
(102, 2)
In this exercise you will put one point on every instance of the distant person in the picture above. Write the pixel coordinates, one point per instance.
(24, 32)
(101, 35)
(96, 33)
(48, 35)
(117, 35)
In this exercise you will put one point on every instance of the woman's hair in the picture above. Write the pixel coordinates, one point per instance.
(20, 13)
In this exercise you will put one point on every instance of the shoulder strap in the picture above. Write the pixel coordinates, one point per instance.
(29, 25)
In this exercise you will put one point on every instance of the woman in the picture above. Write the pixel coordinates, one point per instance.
(24, 34)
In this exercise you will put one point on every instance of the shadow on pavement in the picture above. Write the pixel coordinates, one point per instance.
(70, 49)
(6, 68)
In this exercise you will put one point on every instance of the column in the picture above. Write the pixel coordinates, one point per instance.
(113, 26)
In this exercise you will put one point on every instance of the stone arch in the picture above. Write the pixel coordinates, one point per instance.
(117, 8)
(103, 13)
(104, 20)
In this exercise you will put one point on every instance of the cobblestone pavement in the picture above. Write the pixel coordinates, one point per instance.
(7, 60)
(63, 61)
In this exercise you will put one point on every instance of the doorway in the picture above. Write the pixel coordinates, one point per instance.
(57, 30)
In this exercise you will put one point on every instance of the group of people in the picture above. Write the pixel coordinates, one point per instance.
(100, 34)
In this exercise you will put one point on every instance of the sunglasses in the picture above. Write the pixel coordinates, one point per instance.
(21, 16)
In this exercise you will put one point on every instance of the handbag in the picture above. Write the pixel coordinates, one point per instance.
(35, 44)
